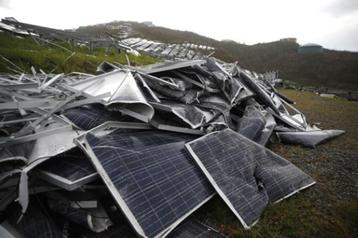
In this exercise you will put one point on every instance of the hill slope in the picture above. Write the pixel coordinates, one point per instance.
(335, 69)
(24, 53)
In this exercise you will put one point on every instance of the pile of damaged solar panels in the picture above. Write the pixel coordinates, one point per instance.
(136, 151)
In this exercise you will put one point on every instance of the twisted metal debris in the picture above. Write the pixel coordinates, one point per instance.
(138, 150)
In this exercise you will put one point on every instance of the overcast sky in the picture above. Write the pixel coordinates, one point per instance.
(331, 23)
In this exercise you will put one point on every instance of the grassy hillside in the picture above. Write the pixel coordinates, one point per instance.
(25, 52)
(334, 69)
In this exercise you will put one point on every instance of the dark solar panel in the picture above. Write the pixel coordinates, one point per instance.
(36, 223)
(72, 165)
(91, 116)
(245, 174)
(151, 177)
(252, 123)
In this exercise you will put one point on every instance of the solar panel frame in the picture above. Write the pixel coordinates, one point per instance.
(167, 125)
(66, 183)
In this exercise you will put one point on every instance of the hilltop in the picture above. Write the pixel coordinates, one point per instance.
(333, 69)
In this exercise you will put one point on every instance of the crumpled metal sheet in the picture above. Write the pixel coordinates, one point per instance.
(193, 115)
(246, 175)
(171, 65)
(36, 152)
(268, 129)
(273, 101)
(308, 138)
(124, 93)
(233, 89)
(261, 95)
(41, 148)
(256, 124)
(252, 123)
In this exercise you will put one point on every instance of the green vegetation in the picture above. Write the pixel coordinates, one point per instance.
(334, 69)
(25, 52)
(329, 209)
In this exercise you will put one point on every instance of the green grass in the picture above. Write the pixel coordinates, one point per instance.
(25, 52)
(329, 209)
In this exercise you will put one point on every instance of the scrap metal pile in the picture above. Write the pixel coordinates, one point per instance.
(135, 151)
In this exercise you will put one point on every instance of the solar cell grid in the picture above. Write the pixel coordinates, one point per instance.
(154, 176)
(245, 174)
(71, 166)
(89, 117)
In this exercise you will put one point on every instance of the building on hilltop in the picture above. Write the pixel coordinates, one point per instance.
(289, 39)
(310, 49)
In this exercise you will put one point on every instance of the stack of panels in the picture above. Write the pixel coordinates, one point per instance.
(151, 177)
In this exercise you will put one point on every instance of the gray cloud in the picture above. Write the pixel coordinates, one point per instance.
(342, 7)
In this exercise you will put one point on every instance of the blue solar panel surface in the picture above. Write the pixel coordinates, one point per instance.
(72, 165)
(154, 175)
(245, 174)
(91, 116)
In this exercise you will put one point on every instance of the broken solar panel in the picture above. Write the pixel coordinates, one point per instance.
(90, 116)
(151, 177)
(163, 120)
(68, 170)
(256, 124)
(190, 114)
(245, 174)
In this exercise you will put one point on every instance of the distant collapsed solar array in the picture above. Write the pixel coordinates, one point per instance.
(162, 140)
(133, 45)
(180, 51)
